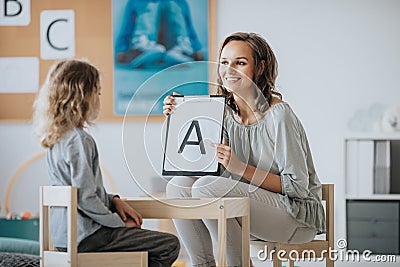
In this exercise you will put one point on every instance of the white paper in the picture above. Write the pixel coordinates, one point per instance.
(19, 75)
(57, 34)
(15, 12)
(207, 113)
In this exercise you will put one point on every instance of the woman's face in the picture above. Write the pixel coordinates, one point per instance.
(236, 66)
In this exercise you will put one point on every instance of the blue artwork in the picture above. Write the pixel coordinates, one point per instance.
(159, 46)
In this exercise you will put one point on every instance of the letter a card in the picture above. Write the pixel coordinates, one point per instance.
(192, 128)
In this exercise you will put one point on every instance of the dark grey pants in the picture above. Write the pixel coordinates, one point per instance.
(162, 248)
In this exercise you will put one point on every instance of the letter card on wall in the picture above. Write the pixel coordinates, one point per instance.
(192, 128)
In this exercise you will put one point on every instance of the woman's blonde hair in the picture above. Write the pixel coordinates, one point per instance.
(265, 73)
(65, 100)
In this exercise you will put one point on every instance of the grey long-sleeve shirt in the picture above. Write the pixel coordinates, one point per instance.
(278, 144)
(75, 161)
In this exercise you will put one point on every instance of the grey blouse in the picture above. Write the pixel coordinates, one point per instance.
(75, 161)
(278, 144)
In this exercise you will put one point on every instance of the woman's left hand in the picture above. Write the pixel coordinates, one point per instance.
(125, 212)
(228, 158)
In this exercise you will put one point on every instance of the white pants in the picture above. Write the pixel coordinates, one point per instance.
(269, 219)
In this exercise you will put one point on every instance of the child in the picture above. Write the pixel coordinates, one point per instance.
(68, 101)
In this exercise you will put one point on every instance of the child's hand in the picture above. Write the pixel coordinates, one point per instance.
(130, 223)
(169, 104)
(127, 213)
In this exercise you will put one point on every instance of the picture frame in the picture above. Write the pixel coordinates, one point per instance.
(160, 47)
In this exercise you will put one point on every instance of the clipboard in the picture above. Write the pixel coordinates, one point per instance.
(195, 124)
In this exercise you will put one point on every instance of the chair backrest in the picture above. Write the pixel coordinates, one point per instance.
(58, 196)
(328, 197)
(66, 196)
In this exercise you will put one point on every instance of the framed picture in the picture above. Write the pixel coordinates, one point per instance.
(160, 46)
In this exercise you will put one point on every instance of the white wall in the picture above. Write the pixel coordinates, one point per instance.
(335, 58)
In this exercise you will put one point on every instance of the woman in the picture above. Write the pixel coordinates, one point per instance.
(266, 156)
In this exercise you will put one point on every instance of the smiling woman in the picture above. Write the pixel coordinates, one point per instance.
(265, 156)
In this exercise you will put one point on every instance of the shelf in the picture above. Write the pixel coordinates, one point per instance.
(371, 165)
(373, 136)
(375, 197)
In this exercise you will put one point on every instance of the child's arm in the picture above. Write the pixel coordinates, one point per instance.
(126, 212)
(81, 156)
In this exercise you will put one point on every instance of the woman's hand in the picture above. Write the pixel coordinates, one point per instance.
(131, 217)
(169, 104)
(228, 158)
(258, 177)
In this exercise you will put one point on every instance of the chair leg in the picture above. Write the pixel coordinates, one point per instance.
(277, 262)
(329, 262)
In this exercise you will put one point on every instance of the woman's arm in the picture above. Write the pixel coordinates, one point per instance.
(263, 179)
(290, 152)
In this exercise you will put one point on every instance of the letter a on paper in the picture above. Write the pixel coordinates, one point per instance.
(199, 142)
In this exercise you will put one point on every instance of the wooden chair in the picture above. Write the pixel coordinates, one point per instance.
(66, 196)
(318, 246)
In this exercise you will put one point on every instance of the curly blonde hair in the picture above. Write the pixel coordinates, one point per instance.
(264, 77)
(65, 100)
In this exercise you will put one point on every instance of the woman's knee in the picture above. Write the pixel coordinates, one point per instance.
(180, 186)
(206, 186)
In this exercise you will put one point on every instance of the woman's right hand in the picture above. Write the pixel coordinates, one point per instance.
(169, 104)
